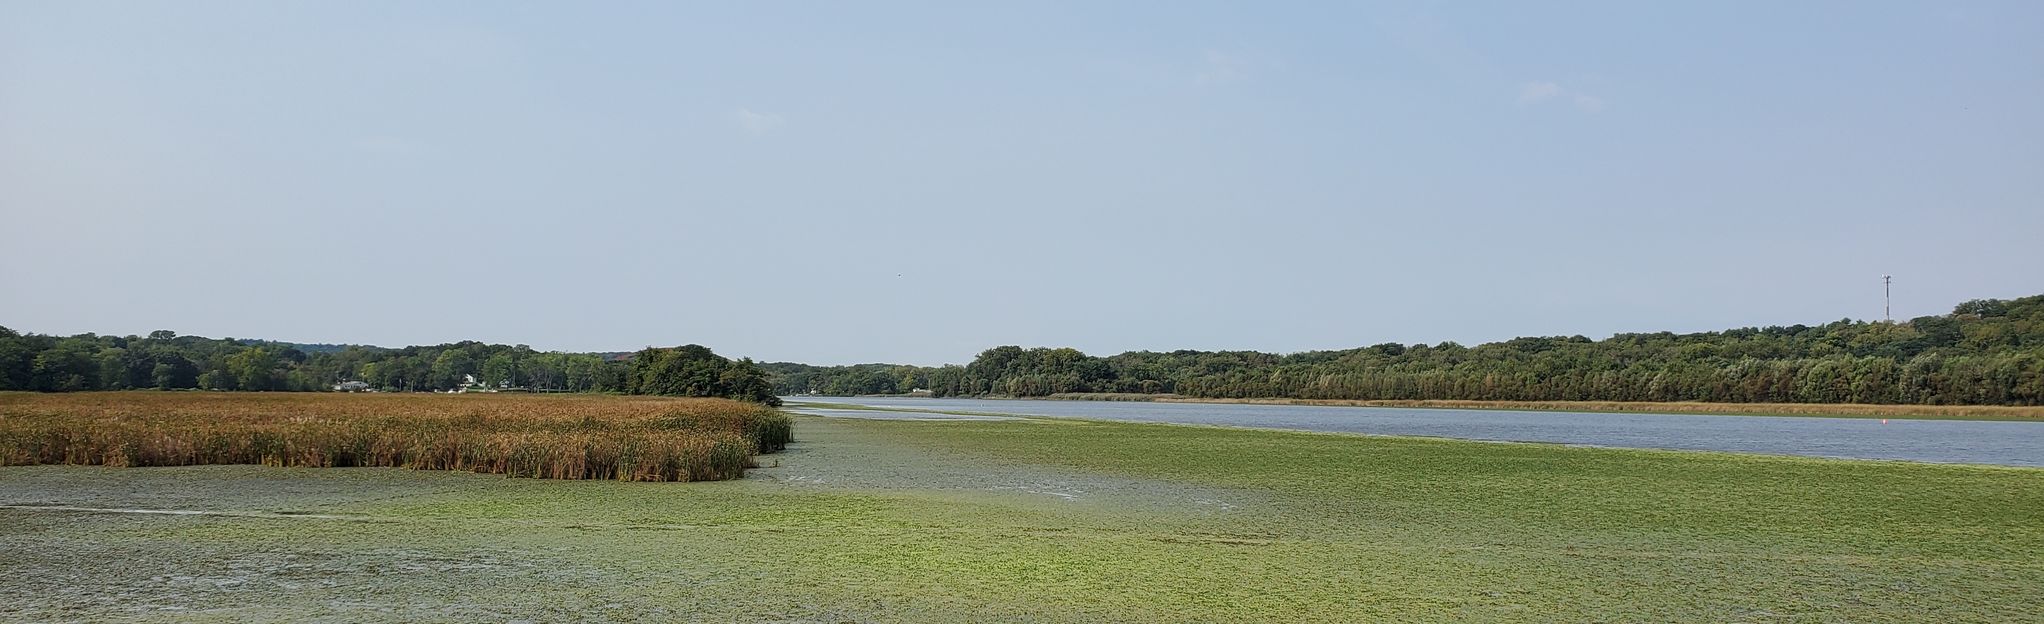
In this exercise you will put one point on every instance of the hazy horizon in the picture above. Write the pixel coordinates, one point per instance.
(913, 184)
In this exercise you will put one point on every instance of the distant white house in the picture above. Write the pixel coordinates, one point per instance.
(351, 386)
(469, 383)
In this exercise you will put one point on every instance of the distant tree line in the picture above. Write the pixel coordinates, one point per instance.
(167, 361)
(791, 378)
(1986, 352)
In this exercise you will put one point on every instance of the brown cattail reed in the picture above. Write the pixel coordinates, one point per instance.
(550, 437)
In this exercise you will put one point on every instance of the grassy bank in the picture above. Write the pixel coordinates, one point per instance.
(1842, 410)
(1054, 521)
(557, 437)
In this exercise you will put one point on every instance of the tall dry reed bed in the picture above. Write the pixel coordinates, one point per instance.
(553, 437)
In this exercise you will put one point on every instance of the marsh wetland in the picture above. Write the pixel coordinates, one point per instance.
(1044, 520)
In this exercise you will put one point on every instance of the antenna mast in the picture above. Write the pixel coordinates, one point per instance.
(1887, 299)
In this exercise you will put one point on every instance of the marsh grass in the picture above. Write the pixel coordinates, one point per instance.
(551, 437)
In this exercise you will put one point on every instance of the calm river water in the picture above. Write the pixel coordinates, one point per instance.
(1952, 441)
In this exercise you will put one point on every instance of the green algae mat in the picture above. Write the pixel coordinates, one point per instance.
(1039, 520)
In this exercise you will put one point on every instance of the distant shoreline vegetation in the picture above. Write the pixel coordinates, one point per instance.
(166, 361)
(1986, 352)
(1847, 410)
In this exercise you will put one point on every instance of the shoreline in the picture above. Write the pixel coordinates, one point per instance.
(1814, 410)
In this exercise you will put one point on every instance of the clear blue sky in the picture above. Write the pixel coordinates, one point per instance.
(854, 182)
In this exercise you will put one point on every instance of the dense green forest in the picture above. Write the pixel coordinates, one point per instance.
(1986, 352)
(165, 360)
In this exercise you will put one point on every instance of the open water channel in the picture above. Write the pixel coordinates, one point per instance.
(1948, 441)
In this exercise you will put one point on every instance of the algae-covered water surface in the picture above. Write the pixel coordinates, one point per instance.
(1039, 520)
